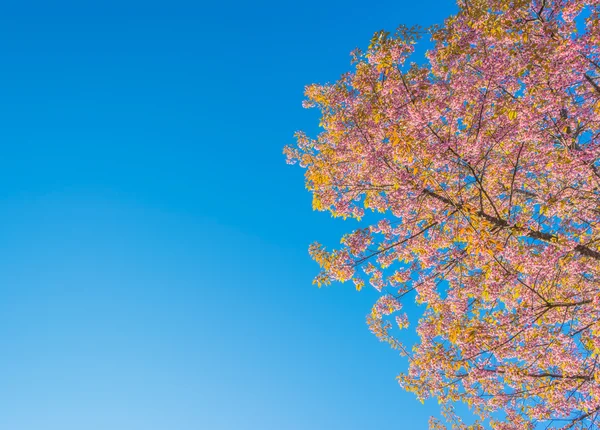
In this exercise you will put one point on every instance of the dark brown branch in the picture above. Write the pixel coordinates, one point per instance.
(546, 237)
(542, 375)
(592, 83)
(393, 245)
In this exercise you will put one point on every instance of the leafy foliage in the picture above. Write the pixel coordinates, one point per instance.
(485, 164)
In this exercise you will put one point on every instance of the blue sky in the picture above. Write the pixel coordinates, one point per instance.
(154, 267)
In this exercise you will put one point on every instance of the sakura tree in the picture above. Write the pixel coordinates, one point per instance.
(484, 166)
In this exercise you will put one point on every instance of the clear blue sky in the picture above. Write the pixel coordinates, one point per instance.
(153, 255)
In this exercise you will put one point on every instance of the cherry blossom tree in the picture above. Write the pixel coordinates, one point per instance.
(484, 168)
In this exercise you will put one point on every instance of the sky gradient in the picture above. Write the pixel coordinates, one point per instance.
(153, 254)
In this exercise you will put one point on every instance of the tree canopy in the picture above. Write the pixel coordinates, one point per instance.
(484, 164)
